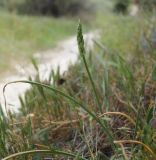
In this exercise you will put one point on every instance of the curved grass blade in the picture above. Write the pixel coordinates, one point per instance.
(52, 152)
(72, 99)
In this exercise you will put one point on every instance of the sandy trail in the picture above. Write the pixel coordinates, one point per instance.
(134, 10)
(63, 55)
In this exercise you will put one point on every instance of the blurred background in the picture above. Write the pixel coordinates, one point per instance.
(29, 26)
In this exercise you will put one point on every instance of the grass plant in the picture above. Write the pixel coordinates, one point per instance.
(120, 128)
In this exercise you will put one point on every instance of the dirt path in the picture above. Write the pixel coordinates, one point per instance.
(63, 55)
(134, 9)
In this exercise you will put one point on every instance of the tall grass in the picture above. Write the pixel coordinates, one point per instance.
(103, 109)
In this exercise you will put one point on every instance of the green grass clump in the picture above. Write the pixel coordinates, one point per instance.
(101, 110)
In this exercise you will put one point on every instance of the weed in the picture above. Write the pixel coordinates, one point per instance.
(103, 110)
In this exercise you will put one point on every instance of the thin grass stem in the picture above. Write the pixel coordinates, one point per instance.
(80, 41)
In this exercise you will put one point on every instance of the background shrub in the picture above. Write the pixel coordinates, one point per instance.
(54, 7)
(121, 6)
(148, 5)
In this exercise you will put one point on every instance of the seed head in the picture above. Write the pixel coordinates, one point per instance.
(80, 39)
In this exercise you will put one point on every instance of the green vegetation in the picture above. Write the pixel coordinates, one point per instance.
(21, 36)
(148, 5)
(107, 114)
(124, 32)
(54, 8)
(121, 6)
(104, 108)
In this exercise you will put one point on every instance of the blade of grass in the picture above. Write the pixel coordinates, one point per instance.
(50, 151)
